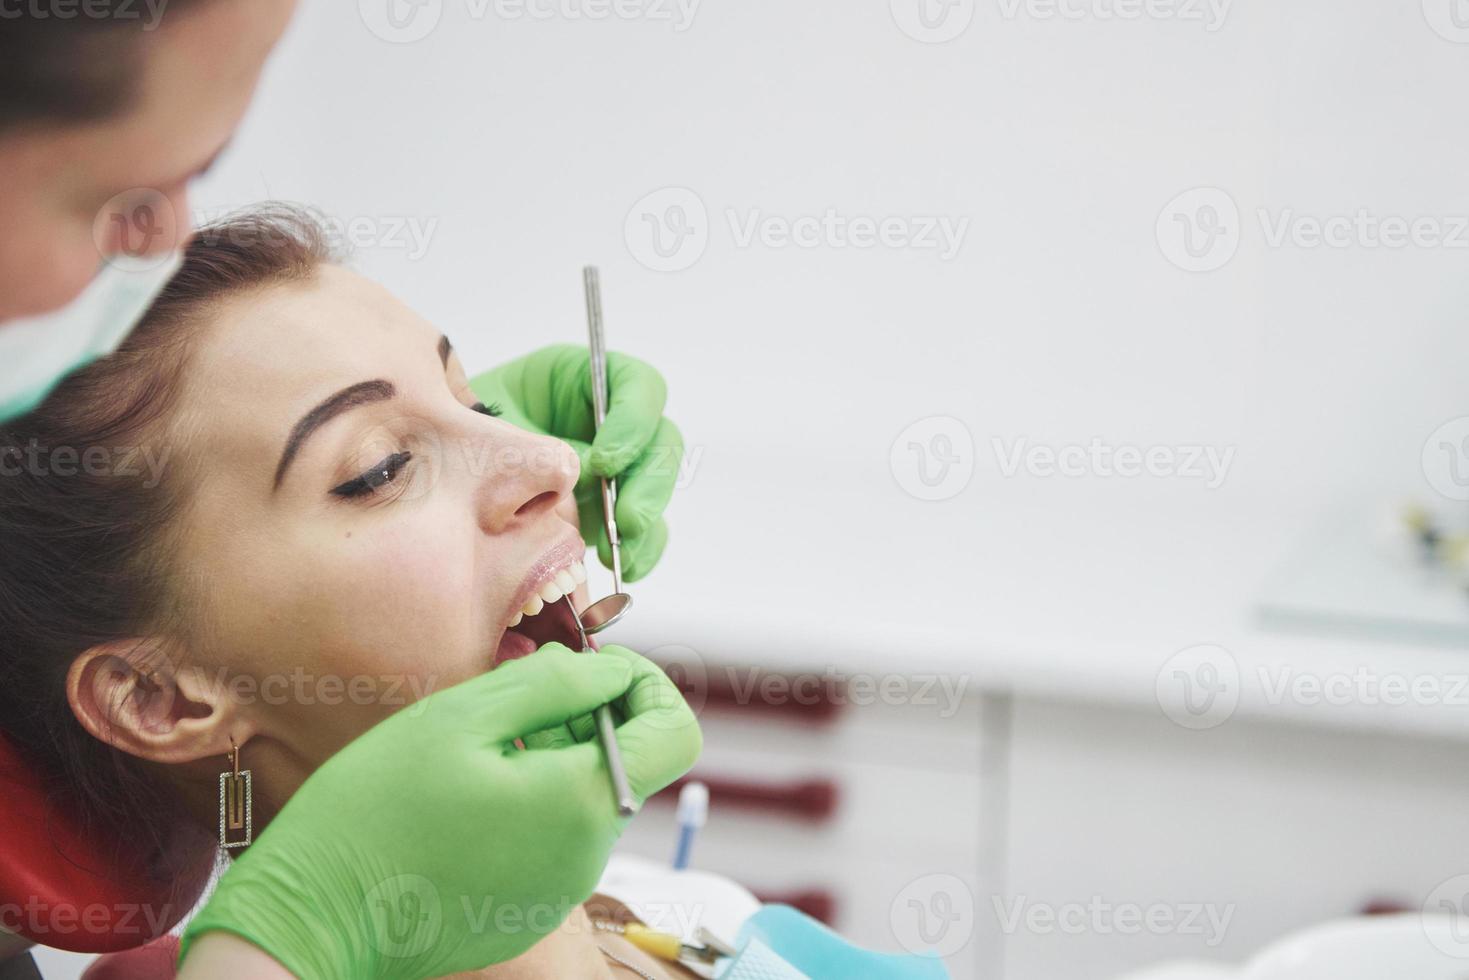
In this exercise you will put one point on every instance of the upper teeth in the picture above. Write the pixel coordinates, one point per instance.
(563, 583)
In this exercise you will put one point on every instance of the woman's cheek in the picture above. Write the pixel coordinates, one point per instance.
(405, 603)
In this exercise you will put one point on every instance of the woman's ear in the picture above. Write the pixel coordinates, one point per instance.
(134, 696)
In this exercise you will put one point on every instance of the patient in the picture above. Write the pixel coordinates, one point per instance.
(277, 515)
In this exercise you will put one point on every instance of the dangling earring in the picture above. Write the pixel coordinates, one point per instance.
(235, 803)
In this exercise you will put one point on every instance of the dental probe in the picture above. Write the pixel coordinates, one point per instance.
(609, 609)
(627, 804)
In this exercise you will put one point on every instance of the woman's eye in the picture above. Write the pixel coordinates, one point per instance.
(492, 410)
(383, 473)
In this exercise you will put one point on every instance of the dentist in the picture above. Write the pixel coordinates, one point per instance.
(108, 109)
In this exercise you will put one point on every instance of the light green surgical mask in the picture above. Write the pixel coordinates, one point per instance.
(37, 352)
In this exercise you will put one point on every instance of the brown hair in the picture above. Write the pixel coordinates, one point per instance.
(85, 550)
(63, 67)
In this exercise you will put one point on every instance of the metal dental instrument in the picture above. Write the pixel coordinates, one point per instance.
(608, 610)
(627, 804)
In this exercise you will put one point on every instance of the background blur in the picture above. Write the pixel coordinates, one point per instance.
(1053, 374)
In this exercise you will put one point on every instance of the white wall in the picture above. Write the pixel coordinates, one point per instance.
(528, 142)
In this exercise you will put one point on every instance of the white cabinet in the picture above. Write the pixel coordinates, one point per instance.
(1274, 825)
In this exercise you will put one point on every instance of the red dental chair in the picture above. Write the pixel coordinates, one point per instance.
(70, 889)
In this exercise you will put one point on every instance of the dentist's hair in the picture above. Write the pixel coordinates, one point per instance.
(76, 67)
(85, 549)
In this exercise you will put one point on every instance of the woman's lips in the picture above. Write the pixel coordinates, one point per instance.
(554, 623)
(528, 623)
(561, 556)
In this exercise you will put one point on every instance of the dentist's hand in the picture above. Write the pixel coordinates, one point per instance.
(432, 845)
(550, 391)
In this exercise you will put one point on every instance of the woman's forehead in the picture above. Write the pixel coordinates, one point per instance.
(274, 353)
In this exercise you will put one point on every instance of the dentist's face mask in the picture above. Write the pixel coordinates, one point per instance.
(37, 352)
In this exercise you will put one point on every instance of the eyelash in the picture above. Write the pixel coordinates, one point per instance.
(383, 473)
(387, 469)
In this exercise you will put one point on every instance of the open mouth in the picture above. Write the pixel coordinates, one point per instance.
(544, 617)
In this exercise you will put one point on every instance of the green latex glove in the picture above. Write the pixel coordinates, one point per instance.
(432, 845)
(550, 392)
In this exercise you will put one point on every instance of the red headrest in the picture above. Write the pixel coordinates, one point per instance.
(63, 887)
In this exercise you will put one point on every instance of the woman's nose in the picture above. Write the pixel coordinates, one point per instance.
(528, 478)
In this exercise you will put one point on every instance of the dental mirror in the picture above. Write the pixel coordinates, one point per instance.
(608, 610)
(604, 612)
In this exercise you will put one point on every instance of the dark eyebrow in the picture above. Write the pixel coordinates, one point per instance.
(445, 349)
(363, 393)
